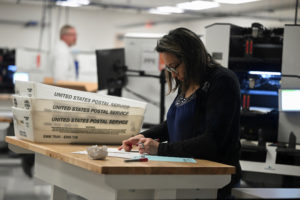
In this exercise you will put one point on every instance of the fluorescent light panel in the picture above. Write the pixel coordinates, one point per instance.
(198, 5)
(73, 3)
(144, 35)
(234, 1)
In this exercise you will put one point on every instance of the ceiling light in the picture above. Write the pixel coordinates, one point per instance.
(198, 5)
(67, 4)
(84, 2)
(72, 3)
(235, 1)
(144, 35)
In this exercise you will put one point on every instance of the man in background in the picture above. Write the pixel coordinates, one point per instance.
(62, 61)
(63, 68)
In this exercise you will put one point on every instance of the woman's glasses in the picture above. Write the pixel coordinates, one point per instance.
(173, 69)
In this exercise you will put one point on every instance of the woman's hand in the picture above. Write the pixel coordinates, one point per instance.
(148, 145)
(127, 144)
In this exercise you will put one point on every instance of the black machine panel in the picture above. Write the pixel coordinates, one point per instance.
(255, 55)
(7, 70)
(255, 48)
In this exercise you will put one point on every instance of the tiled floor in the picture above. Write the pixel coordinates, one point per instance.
(16, 185)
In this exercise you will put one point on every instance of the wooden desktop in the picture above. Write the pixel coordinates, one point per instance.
(112, 178)
(76, 85)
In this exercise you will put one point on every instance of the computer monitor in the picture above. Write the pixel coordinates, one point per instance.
(111, 70)
(20, 76)
(289, 100)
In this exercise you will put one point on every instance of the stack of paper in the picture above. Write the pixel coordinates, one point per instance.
(44, 113)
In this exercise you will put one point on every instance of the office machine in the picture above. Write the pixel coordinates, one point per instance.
(140, 55)
(7, 70)
(113, 75)
(266, 62)
(290, 84)
(289, 97)
(144, 72)
(255, 55)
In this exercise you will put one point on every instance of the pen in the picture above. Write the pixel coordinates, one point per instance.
(137, 160)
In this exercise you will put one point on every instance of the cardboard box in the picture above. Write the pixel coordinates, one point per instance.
(50, 114)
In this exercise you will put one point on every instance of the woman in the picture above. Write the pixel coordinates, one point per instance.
(203, 120)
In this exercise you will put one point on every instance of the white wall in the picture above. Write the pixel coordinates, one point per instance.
(17, 35)
(97, 28)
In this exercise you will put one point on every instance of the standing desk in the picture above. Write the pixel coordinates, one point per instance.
(112, 178)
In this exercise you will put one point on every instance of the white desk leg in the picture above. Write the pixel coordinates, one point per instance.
(58, 193)
(19, 150)
(2, 192)
(95, 186)
(165, 194)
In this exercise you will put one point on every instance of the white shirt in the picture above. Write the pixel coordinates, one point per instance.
(62, 63)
